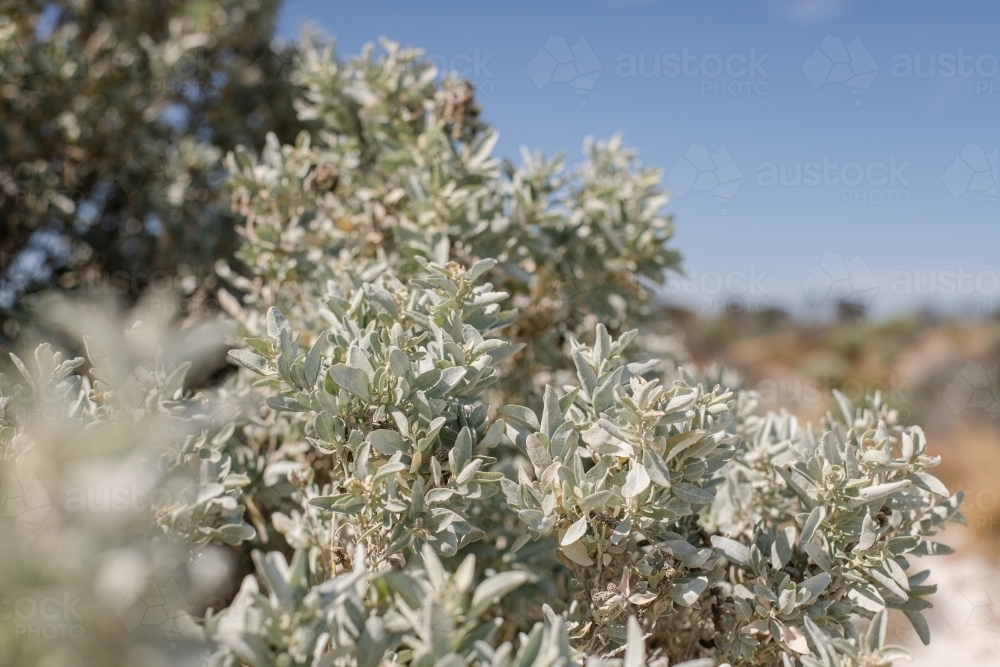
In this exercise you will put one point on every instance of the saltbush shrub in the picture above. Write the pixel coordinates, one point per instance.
(444, 439)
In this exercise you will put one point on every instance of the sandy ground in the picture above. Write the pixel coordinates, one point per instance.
(965, 620)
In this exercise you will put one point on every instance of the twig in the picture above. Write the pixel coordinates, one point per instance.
(622, 649)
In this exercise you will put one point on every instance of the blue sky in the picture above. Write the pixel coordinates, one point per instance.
(854, 158)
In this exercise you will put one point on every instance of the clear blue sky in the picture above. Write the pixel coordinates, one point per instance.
(899, 99)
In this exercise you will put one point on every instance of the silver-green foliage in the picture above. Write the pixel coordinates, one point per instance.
(405, 473)
(391, 392)
(402, 168)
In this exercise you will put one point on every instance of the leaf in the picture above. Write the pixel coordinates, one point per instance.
(635, 651)
(679, 443)
(388, 470)
(636, 481)
(816, 585)
(928, 548)
(641, 599)
(416, 498)
(538, 454)
(870, 493)
(781, 548)
(372, 643)
(313, 360)
(903, 544)
(551, 414)
(875, 637)
(796, 641)
(175, 380)
(866, 597)
(586, 375)
(575, 532)
(693, 494)
(283, 404)
(698, 558)
(869, 533)
(919, 624)
(254, 362)
(845, 407)
(352, 379)
(357, 359)
(468, 472)
(735, 552)
(595, 500)
(386, 441)
(277, 324)
(577, 553)
(327, 428)
(520, 415)
(603, 396)
(480, 153)
(461, 453)
(687, 593)
(232, 533)
(932, 484)
(496, 587)
(656, 468)
(450, 378)
(818, 555)
(398, 362)
(344, 503)
(427, 380)
(812, 523)
(604, 443)
(483, 265)
(493, 435)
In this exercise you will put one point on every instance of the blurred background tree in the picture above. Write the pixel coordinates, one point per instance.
(115, 117)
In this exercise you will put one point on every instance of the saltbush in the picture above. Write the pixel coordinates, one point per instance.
(442, 442)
